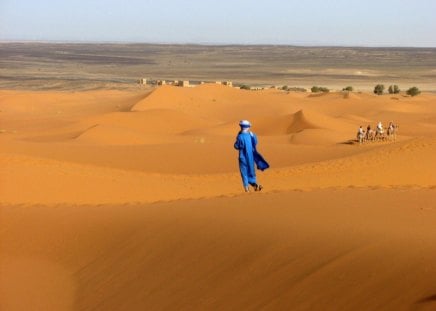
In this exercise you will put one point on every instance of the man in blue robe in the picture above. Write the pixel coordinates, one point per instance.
(246, 143)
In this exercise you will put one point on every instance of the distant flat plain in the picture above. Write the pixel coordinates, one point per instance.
(77, 66)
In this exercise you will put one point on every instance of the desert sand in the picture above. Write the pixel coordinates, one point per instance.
(132, 200)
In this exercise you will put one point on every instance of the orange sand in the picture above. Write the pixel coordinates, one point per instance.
(114, 200)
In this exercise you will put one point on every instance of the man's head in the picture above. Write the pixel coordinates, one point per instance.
(244, 124)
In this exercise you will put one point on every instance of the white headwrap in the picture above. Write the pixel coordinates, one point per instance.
(244, 124)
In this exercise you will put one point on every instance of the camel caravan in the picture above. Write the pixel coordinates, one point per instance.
(379, 134)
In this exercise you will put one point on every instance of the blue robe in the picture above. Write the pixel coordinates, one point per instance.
(248, 156)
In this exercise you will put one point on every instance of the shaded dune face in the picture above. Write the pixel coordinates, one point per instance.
(300, 123)
(284, 125)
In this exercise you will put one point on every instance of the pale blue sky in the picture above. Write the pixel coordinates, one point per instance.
(316, 22)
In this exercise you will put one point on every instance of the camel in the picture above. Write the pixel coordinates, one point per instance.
(380, 133)
(361, 135)
(370, 135)
(392, 131)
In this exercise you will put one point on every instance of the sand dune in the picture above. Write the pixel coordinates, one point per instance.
(301, 123)
(163, 138)
(213, 101)
(123, 128)
(272, 251)
(132, 200)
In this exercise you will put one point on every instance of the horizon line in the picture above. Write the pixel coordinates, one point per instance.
(127, 42)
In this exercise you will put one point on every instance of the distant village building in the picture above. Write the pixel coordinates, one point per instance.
(228, 83)
(142, 81)
(218, 82)
(161, 82)
(184, 83)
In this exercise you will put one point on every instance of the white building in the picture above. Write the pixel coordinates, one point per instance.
(184, 83)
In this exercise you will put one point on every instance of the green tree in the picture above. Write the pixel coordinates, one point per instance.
(393, 89)
(378, 89)
(348, 88)
(413, 91)
(245, 87)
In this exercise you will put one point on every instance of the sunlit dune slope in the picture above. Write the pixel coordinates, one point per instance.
(323, 250)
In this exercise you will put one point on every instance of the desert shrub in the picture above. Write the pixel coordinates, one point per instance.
(285, 88)
(393, 89)
(245, 87)
(378, 89)
(297, 89)
(413, 91)
(318, 89)
(348, 88)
